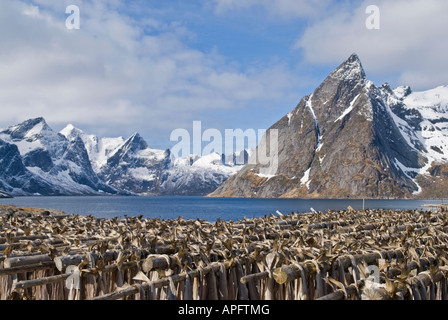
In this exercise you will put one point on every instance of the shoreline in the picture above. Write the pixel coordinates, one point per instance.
(214, 197)
(209, 209)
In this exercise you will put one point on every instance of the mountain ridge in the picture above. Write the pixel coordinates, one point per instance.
(348, 138)
(35, 160)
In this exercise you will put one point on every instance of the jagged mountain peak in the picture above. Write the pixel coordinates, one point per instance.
(47, 162)
(350, 138)
(135, 143)
(29, 129)
(71, 132)
(350, 69)
(34, 121)
(402, 91)
(345, 89)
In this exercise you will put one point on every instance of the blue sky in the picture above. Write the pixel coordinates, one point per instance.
(155, 66)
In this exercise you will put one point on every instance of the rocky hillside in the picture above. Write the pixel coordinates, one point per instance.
(350, 138)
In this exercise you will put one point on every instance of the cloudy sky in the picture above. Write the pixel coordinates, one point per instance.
(154, 66)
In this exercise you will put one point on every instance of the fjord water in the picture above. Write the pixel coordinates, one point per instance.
(209, 209)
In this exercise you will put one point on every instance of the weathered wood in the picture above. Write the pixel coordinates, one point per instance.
(424, 278)
(159, 263)
(394, 272)
(28, 268)
(18, 245)
(62, 262)
(340, 294)
(128, 291)
(253, 245)
(122, 292)
(255, 277)
(291, 272)
(22, 238)
(42, 281)
(26, 260)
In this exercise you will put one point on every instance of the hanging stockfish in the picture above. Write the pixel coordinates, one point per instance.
(222, 280)
(188, 295)
(242, 289)
(172, 291)
(319, 281)
(271, 261)
(302, 292)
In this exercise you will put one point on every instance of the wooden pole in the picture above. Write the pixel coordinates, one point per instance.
(160, 263)
(62, 262)
(340, 294)
(27, 268)
(42, 281)
(255, 277)
(26, 260)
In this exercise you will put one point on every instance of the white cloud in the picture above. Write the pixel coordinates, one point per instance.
(113, 71)
(412, 41)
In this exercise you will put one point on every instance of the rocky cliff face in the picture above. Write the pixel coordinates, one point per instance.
(15, 178)
(135, 167)
(37, 160)
(348, 138)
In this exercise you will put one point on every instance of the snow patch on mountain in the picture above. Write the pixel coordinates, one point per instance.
(348, 110)
(306, 178)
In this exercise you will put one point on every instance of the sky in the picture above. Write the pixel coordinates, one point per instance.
(156, 66)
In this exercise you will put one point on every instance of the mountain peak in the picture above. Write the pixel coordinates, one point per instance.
(350, 69)
(70, 131)
(135, 136)
(402, 91)
(69, 127)
(31, 123)
(30, 129)
(354, 57)
(135, 143)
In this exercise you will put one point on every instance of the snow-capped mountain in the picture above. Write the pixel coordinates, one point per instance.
(350, 138)
(198, 175)
(37, 160)
(132, 166)
(135, 167)
(422, 118)
(98, 149)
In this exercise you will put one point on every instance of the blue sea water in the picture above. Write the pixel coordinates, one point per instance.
(209, 209)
